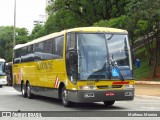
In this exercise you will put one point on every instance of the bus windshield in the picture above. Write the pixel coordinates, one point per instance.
(95, 53)
(2, 68)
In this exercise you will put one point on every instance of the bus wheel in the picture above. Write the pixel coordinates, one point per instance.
(108, 103)
(23, 90)
(0, 86)
(64, 97)
(29, 94)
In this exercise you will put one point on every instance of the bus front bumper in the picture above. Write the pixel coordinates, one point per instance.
(103, 95)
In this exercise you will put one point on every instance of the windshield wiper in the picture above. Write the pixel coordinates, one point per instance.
(113, 63)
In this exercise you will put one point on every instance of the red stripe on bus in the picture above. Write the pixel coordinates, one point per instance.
(118, 83)
(56, 83)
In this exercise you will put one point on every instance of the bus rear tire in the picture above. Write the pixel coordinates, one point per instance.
(24, 94)
(108, 103)
(29, 94)
(64, 98)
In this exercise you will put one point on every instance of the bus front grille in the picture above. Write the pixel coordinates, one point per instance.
(109, 86)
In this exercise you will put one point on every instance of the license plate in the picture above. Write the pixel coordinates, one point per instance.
(110, 93)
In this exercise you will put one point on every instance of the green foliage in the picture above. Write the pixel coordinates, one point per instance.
(144, 71)
(142, 27)
(21, 35)
(138, 17)
(6, 40)
(119, 22)
(66, 14)
(62, 20)
(38, 31)
(146, 14)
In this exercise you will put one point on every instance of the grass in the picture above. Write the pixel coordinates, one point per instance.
(143, 73)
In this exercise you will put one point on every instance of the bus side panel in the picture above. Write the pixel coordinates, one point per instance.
(16, 77)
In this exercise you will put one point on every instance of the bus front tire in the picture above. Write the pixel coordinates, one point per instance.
(108, 103)
(24, 94)
(64, 97)
(29, 94)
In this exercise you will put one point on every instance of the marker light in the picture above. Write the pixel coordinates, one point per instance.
(128, 86)
(87, 87)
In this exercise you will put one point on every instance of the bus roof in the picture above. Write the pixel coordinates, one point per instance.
(80, 29)
(97, 29)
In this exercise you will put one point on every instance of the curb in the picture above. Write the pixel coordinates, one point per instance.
(147, 96)
(147, 83)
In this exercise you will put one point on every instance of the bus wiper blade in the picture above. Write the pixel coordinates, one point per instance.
(120, 74)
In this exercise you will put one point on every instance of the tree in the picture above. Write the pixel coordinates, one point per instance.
(74, 13)
(119, 22)
(122, 22)
(62, 20)
(21, 35)
(6, 40)
(6, 34)
(38, 31)
(146, 14)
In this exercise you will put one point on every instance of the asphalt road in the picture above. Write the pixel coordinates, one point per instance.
(11, 100)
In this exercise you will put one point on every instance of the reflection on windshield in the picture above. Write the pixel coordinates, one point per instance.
(92, 56)
(118, 51)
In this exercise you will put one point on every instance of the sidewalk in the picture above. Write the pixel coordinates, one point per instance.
(147, 88)
(147, 82)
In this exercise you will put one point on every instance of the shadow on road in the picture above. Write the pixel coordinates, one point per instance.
(11, 96)
(78, 106)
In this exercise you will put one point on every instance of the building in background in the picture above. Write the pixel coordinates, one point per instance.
(48, 2)
(41, 20)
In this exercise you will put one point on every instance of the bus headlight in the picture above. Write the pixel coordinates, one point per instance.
(128, 86)
(87, 87)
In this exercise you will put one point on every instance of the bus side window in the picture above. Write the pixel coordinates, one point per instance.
(17, 56)
(38, 50)
(24, 54)
(58, 47)
(30, 55)
(47, 53)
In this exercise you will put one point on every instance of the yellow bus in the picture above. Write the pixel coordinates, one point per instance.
(82, 65)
